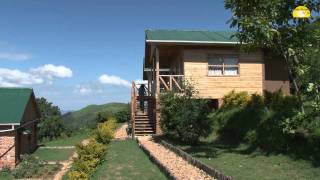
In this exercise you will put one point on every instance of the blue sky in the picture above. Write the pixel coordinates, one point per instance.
(81, 52)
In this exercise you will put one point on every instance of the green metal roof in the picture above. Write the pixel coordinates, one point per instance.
(190, 36)
(13, 102)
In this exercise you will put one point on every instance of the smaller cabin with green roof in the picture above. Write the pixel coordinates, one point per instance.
(19, 116)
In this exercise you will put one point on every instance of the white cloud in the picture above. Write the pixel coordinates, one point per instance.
(15, 56)
(50, 71)
(82, 90)
(40, 75)
(14, 77)
(88, 88)
(113, 80)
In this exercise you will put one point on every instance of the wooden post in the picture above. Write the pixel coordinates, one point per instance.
(170, 82)
(157, 99)
(133, 108)
(157, 73)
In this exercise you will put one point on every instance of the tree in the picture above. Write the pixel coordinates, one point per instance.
(268, 24)
(47, 108)
(50, 125)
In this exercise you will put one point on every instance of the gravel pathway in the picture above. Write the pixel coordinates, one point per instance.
(177, 166)
(121, 132)
(66, 165)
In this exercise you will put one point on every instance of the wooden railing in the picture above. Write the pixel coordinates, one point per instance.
(171, 82)
(133, 107)
(147, 91)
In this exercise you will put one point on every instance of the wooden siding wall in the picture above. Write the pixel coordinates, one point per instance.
(250, 79)
(29, 144)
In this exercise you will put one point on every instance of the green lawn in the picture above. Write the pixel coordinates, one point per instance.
(69, 141)
(6, 176)
(54, 154)
(125, 160)
(242, 163)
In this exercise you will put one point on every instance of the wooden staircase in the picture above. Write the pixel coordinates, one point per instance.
(143, 125)
(142, 122)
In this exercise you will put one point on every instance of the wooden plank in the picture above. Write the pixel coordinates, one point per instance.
(177, 84)
(157, 72)
(164, 83)
(249, 78)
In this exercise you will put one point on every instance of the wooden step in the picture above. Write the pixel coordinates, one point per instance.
(143, 121)
(142, 117)
(144, 132)
(143, 128)
(144, 125)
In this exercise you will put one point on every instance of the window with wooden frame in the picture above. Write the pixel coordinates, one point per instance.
(223, 65)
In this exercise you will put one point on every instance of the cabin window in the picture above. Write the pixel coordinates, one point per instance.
(226, 65)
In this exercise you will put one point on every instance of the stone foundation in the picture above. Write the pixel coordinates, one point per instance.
(7, 150)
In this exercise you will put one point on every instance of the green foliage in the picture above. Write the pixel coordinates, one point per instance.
(51, 127)
(105, 131)
(47, 108)
(103, 116)
(31, 167)
(234, 99)
(264, 121)
(269, 25)
(123, 115)
(184, 117)
(89, 157)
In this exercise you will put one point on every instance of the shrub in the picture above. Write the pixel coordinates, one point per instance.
(105, 131)
(28, 167)
(31, 167)
(5, 169)
(235, 99)
(89, 157)
(267, 121)
(184, 117)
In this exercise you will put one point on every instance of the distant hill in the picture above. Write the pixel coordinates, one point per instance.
(85, 117)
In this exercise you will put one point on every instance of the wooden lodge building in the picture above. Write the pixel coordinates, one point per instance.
(19, 115)
(210, 60)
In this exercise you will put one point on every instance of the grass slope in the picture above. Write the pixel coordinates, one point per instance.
(54, 154)
(74, 139)
(86, 116)
(243, 164)
(125, 160)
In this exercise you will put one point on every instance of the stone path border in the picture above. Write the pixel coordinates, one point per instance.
(174, 166)
(208, 169)
(163, 168)
(57, 147)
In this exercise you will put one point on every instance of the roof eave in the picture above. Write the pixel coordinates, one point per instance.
(9, 124)
(192, 42)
